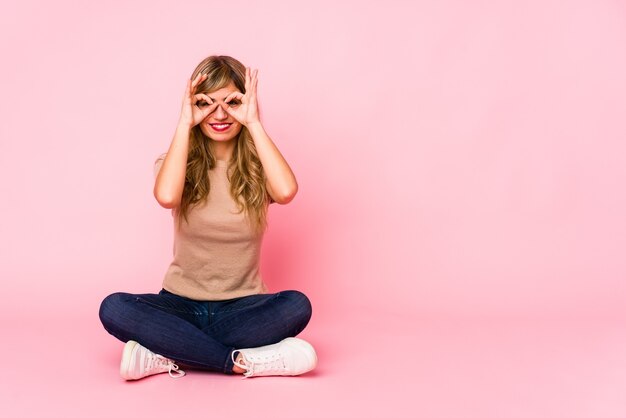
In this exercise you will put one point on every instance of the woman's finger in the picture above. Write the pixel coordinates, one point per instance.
(199, 78)
(187, 89)
(193, 82)
(234, 94)
(205, 97)
(247, 82)
(205, 110)
(253, 82)
(200, 96)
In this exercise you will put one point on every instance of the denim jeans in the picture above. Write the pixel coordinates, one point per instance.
(203, 334)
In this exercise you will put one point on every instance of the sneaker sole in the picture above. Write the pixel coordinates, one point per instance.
(127, 356)
(306, 348)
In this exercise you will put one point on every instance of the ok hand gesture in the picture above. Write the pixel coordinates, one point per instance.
(192, 112)
(248, 112)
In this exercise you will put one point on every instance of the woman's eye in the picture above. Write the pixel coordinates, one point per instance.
(203, 104)
(234, 102)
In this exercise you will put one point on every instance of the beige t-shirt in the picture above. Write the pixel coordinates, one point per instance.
(216, 255)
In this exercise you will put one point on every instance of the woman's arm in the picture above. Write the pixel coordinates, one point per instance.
(170, 180)
(281, 182)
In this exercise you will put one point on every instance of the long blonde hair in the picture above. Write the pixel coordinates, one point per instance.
(245, 172)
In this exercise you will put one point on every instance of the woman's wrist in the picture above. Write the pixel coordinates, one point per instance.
(254, 125)
(184, 126)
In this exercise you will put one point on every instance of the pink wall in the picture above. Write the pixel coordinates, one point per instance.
(457, 158)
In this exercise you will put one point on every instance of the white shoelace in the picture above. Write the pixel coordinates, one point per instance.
(157, 361)
(256, 364)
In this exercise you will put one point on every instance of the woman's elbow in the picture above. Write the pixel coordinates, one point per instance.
(168, 202)
(287, 197)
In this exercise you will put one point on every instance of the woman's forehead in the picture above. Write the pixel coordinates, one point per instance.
(223, 92)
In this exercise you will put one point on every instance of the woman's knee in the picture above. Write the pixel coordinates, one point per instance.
(301, 305)
(111, 307)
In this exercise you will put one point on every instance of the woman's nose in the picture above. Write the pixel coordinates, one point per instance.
(220, 113)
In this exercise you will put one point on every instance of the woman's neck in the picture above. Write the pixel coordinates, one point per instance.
(222, 150)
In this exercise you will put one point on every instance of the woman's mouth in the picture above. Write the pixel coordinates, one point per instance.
(220, 127)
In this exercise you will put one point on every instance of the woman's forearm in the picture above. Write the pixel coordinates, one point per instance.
(170, 180)
(282, 184)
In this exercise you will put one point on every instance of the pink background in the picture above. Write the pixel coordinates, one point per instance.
(459, 225)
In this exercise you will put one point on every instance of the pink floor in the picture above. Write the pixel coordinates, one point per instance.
(375, 364)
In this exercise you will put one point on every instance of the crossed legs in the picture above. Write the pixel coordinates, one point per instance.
(202, 335)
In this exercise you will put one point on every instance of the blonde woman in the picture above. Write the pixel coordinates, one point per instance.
(214, 312)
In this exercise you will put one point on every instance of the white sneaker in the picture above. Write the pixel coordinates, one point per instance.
(289, 357)
(138, 362)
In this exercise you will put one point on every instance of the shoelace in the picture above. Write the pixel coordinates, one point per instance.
(262, 362)
(174, 367)
(158, 360)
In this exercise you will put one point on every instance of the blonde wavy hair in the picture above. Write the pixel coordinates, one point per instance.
(247, 178)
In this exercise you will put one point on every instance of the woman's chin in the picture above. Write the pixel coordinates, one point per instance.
(220, 139)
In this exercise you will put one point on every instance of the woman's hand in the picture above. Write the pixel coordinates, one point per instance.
(248, 111)
(195, 107)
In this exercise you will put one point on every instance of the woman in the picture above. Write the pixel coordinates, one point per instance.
(214, 311)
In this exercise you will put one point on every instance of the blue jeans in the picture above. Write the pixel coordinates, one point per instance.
(203, 334)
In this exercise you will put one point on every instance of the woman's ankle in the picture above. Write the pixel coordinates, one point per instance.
(237, 369)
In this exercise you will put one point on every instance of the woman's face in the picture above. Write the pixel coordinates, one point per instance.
(219, 125)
